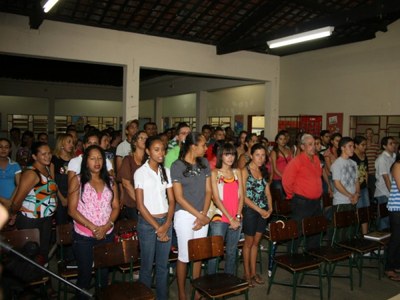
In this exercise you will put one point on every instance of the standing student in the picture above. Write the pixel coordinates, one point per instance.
(383, 177)
(227, 190)
(124, 148)
(257, 209)
(393, 259)
(11, 174)
(129, 165)
(280, 158)
(94, 206)
(244, 158)
(192, 188)
(345, 177)
(62, 154)
(156, 205)
(371, 152)
(361, 159)
(35, 199)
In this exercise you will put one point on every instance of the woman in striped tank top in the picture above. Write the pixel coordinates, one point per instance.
(393, 251)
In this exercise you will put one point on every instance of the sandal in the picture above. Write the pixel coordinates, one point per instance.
(392, 276)
(258, 279)
(249, 281)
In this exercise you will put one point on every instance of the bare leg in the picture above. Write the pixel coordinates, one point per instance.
(253, 254)
(181, 270)
(248, 242)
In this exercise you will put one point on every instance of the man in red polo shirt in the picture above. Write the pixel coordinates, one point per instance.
(303, 185)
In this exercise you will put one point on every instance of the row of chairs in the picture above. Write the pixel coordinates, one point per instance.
(352, 249)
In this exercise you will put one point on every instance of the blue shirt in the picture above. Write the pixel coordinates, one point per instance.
(7, 179)
(394, 197)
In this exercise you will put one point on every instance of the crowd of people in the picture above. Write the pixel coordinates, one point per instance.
(180, 185)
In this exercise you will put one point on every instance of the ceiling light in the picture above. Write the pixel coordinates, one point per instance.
(49, 5)
(301, 37)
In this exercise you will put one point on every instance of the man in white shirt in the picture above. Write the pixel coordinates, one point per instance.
(383, 177)
(124, 148)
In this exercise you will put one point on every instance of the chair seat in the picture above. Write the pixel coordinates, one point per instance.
(220, 284)
(360, 245)
(43, 280)
(126, 291)
(330, 254)
(298, 262)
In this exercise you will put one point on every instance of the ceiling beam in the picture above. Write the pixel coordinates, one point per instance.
(337, 19)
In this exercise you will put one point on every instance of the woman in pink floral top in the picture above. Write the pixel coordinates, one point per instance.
(93, 204)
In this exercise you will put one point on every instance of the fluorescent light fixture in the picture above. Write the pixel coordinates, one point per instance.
(301, 37)
(49, 5)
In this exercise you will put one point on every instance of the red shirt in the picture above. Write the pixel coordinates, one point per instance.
(303, 177)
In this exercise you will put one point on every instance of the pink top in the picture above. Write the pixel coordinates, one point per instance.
(96, 207)
(281, 163)
(228, 190)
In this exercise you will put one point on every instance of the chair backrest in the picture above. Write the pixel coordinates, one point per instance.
(64, 234)
(18, 238)
(314, 225)
(125, 225)
(382, 210)
(344, 219)
(283, 230)
(114, 254)
(279, 203)
(205, 248)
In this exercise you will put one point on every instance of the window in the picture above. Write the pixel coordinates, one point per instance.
(191, 121)
(220, 121)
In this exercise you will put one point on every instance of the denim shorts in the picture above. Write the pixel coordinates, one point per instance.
(253, 222)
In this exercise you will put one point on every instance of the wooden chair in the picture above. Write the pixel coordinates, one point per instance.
(114, 254)
(295, 263)
(216, 285)
(63, 239)
(346, 236)
(281, 206)
(17, 239)
(318, 225)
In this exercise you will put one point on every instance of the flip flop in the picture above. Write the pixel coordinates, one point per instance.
(393, 277)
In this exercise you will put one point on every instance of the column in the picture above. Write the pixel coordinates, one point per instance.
(130, 95)
(201, 109)
(271, 110)
(158, 114)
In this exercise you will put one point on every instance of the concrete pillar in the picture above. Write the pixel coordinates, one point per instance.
(158, 114)
(201, 109)
(130, 94)
(271, 111)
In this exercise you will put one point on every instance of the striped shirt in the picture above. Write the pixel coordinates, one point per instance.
(394, 197)
(372, 153)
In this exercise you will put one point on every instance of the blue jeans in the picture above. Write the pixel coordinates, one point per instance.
(83, 250)
(154, 251)
(364, 198)
(231, 238)
(383, 223)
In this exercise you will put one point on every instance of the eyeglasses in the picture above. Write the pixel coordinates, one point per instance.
(142, 138)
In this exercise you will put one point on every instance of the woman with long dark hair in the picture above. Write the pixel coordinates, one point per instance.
(257, 209)
(93, 204)
(281, 155)
(192, 188)
(156, 204)
(227, 188)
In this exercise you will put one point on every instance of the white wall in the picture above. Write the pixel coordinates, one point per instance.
(356, 79)
(81, 107)
(133, 51)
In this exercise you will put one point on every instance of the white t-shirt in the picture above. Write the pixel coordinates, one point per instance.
(345, 171)
(123, 149)
(382, 167)
(75, 165)
(154, 188)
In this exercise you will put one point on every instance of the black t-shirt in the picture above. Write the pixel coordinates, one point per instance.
(362, 166)
(60, 174)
